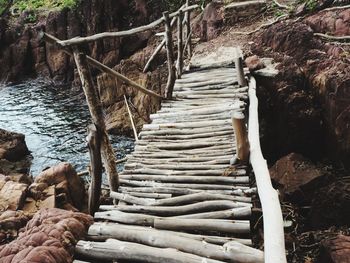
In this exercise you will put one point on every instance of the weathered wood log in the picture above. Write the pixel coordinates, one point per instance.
(95, 108)
(170, 56)
(242, 143)
(126, 218)
(188, 179)
(244, 253)
(185, 191)
(180, 62)
(164, 139)
(191, 136)
(94, 145)
(178, 185)
(180, 167)
(189, 160)
(235, 213)
(239, 68)
(199, 124)
(160, 46)
(103, 231)
(180, 200)
(163, 239)
(149, 195)
(114, 249)
(205, 206)
(203, 225)
(131, 119)
(198, 173)
(88, 39)
(273, 220)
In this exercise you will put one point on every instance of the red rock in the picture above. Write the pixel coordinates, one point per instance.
(12, 146)
(294, 175)
(49, 237)
(61, 173)
(12, 195)
(254, 63)
(330, 206)
(335, 250)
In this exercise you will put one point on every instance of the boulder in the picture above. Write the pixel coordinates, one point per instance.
(12, 146)
(254, 63)
(12, 196)
(331, 206)
(335, 250)
(10, 224)
(50, 236)
(212, 20)
(338, 22)
(64, 177)
(296, 177)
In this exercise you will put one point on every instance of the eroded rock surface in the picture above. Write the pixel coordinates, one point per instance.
(50, 237)
(335, 250)
(65, 180)
(22, 54)
(296, 177)
(331, 206)
(311, 92)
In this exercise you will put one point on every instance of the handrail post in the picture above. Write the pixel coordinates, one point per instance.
(179, 64)
(238, 118)
(170, 55)
(95, 169)
(188, 31)
(96, 112)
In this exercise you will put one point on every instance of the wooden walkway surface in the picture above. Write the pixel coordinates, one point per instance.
(179, 198)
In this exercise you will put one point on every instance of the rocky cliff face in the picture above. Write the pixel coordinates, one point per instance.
(307, 106)
(22, 54)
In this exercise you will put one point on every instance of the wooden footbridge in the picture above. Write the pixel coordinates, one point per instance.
(186, 193)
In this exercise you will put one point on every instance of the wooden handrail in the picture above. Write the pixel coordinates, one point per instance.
(272, 214)
(170, 56)
(88, 39)
(93, 62)
(180, 62)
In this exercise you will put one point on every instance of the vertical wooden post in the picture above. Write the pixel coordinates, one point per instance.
(238, 118)
(204, 30)
(179, 64)
(96, 112)
(239, 68)
(95, 170)
(242, 143)
(170, 54)
(188, 31)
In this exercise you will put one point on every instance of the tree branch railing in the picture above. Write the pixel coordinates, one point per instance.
(83, 62)
(248, 148)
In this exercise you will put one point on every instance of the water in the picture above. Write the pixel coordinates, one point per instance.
(54, 120)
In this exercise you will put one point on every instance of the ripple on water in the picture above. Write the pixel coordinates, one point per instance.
(54, 120)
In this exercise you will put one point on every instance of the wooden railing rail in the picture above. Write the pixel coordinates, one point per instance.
(100, 36)
(248, 148)
(103, 68)
(98, 132)
(274, 246)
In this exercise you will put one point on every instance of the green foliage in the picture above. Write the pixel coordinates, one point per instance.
(3, 5)
(310, 5)
(34, 5)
